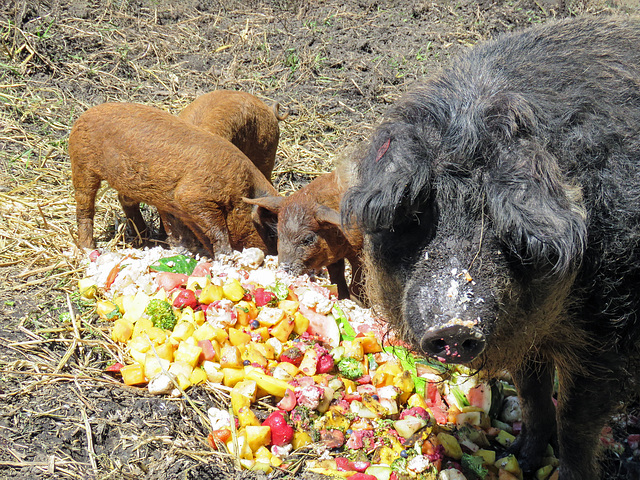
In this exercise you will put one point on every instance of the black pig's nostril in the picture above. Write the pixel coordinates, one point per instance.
(438, 345)
(455, 344)
(470, 345)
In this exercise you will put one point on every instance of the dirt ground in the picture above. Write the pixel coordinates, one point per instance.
(334, 64)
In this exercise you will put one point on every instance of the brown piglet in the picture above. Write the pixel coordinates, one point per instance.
(311, 234)
(243, 119)
(191, 176)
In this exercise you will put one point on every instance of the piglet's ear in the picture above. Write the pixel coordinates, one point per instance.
(332, 217)
(535, 210)
(265, 222)
(328, 215)
(271, 203)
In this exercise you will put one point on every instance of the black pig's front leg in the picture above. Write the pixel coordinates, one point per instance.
(585, 403)
(534, 381)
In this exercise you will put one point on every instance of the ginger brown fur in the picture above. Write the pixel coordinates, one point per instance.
(151, 156)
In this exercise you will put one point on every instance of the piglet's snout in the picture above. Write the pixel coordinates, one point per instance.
(291, 268)
(453, 344)
(286, 266)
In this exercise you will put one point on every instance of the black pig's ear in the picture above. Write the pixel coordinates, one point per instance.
(392, 178)
(535, 211)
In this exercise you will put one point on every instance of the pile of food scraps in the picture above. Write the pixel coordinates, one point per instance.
(304, 371)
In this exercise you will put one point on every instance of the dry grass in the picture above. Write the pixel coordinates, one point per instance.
(56, 65)
(114, 56)
(69, 56)
(121, 57)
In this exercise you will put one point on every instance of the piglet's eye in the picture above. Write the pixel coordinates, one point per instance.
(309, 240)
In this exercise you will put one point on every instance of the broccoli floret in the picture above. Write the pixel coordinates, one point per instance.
(351, 368)
(473, 464)
(161, 314)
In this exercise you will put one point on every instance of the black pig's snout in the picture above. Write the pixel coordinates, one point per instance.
(454, 344)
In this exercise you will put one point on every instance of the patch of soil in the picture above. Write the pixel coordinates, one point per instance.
(335, 64)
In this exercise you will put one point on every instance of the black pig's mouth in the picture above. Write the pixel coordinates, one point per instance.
(446, 319)
(457, 341)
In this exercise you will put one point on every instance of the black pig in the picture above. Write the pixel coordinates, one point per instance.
(500, 202)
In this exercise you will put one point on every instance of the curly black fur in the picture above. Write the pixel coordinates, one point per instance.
(520, 164)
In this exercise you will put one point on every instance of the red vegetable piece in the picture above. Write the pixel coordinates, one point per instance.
(436, 406)
(325, 364)
(208, 352)
(112, 275)
(202, 269)
(350, 397)
(263, 297)
(343, 464)
(288, 402)
(292, 355)
(328, 331)
(477, 395)
(212, 442)
(362, 476)
(170, 280)
(418, 412)
(116, 367)
(281, 431)
(220, 435)
(93, 256)
(186, 298)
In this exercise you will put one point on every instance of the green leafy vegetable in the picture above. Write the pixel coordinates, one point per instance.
(460, 397)
(280, 289)
(473, 464)
(346, 330)
(408, 362)
(175, 264)
(351, 368)
(113, 314)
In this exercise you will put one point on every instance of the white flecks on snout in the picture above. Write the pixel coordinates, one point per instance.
(453, 291)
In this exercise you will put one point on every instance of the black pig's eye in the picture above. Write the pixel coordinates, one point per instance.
(418, 220)
(406, 238)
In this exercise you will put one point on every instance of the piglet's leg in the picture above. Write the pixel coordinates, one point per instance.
(534, 381)
(131, 210)
(357, 281)
(173, 230)
(85, 211)
(187, 236)
(210, 228)
(585, 404)
(204, 217)
(216, 231)
(336, 275)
